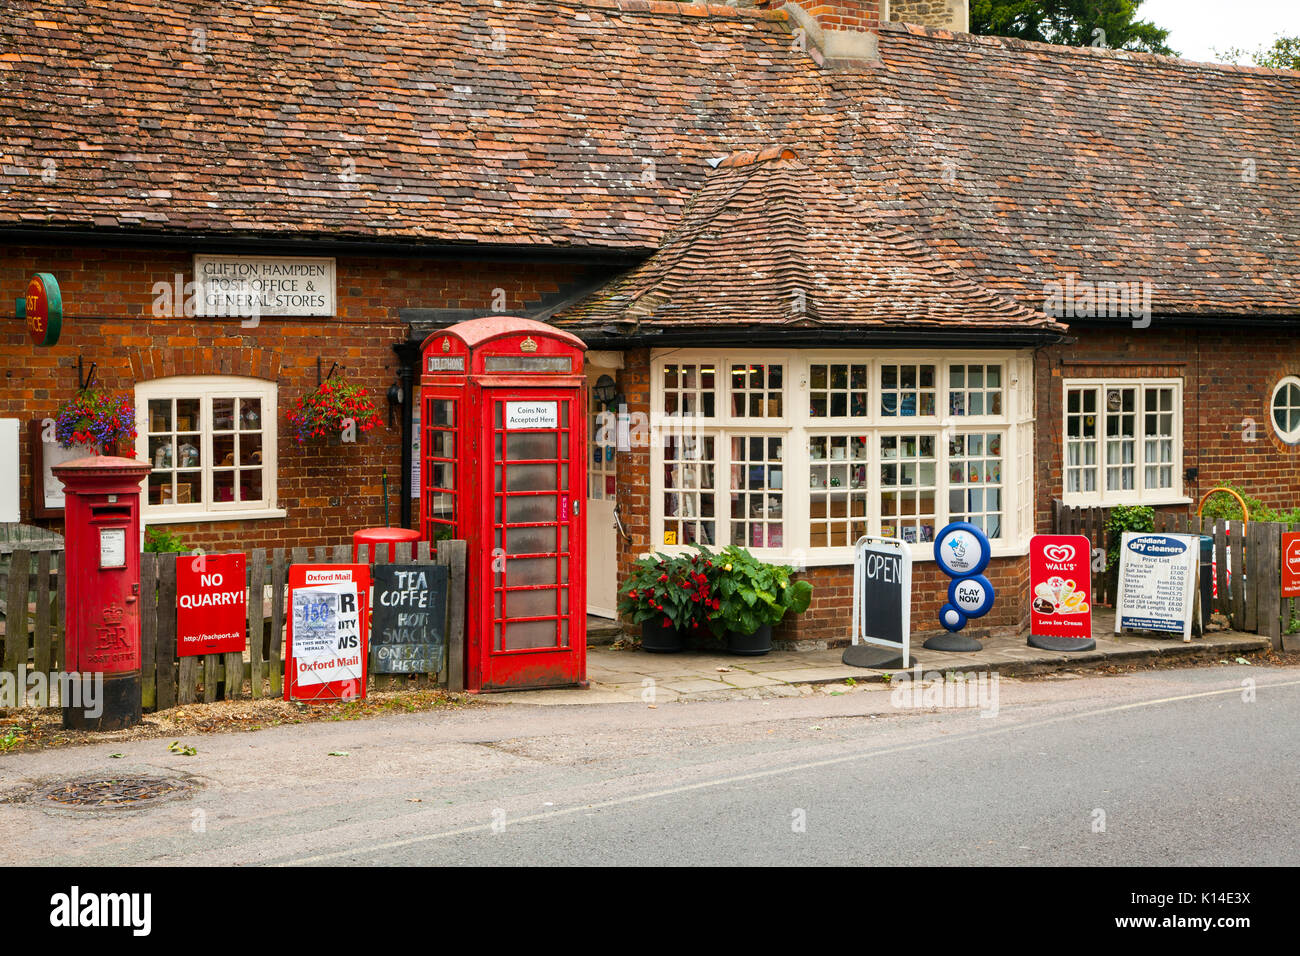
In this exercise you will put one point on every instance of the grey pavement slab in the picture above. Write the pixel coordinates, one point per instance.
(708, 675)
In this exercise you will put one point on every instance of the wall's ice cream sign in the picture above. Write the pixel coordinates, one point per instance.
(1060, 583)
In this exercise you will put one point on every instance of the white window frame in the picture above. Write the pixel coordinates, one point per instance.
(1291, 437)
(206, 388)
(796, 426)
(1140, 495)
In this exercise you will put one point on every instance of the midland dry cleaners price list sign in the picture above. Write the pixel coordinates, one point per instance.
(1157, 583)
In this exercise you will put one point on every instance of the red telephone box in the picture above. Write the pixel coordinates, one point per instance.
(102, 625)
(503, 465)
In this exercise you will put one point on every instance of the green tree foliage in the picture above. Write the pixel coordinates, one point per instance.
(1109, 23)
(1284, 54)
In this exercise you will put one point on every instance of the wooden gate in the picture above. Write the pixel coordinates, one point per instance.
(1252, 602)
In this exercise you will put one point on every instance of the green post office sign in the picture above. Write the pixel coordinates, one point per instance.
(42, 308)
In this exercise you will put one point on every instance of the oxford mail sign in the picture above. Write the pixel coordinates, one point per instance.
(264, 286)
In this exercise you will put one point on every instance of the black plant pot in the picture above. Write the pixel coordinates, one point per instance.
(659, 639)
(750, 645)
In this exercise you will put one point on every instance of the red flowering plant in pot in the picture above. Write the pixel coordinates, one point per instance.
(671, 597)
(96, 417)
(330, 410)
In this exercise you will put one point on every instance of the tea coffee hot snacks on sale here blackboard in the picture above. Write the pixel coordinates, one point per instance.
(409, 629)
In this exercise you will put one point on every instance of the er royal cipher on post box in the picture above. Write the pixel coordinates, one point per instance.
(102, 620)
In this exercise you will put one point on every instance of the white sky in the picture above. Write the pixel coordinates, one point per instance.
(1197, 27)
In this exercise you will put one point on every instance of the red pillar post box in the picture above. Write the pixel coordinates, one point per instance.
(102, 616)
(503, 466)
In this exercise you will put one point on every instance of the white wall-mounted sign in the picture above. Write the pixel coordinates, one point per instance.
(264, 286)
(532, 415)
(9, 470)
(415, 445)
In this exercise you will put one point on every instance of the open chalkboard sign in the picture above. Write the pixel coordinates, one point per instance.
(409, 628)
(882, 604)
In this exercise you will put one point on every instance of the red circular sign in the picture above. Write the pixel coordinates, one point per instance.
(44, 309)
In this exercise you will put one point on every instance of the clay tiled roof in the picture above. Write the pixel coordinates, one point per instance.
(586, 124)
(767, 244)
(565, 122)
(1026, 163)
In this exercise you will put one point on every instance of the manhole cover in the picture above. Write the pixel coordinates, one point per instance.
(110, 793)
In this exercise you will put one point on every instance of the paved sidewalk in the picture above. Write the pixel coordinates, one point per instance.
(622, 675)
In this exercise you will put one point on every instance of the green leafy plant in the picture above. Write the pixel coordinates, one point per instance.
(752, 594)
(1224, 507)
(1139, 518)
(1110, 23)
(1284, 54)
(162, 541)
(676, 591)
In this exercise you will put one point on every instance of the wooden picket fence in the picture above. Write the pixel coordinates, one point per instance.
(31, 587)
(34, 583)
(1251, 602)
(28, 538)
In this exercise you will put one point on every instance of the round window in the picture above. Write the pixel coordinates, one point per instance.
(1286, 409)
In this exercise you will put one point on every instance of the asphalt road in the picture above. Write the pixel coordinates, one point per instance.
(1164, 767)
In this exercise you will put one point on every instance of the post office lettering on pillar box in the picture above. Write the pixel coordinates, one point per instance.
(503, 466)
(102, 555)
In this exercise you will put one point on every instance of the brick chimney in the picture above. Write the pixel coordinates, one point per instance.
(842, 32)
(845, 31)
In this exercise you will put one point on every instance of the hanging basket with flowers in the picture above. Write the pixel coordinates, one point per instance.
(96, 417)
(330, 409)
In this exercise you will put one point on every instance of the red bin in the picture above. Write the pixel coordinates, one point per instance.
(379, 536)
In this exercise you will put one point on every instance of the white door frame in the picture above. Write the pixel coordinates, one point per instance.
(602, 538)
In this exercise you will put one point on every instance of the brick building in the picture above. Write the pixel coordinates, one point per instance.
(853, 268)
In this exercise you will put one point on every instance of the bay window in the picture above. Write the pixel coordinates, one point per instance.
(975, 480)
(690, 489)
(1123, 441)
(798, 454)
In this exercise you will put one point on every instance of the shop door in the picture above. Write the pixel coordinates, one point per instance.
(602, 488)
(538, 596)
